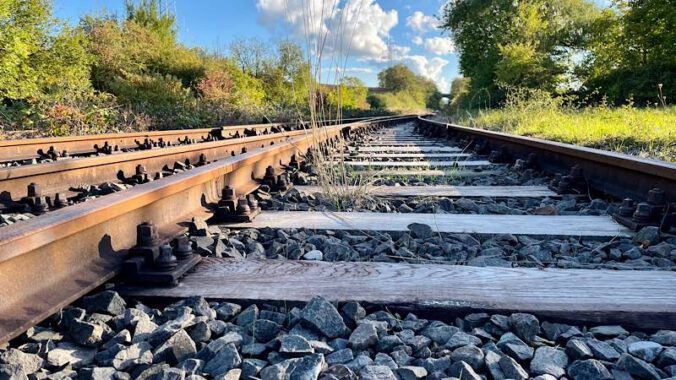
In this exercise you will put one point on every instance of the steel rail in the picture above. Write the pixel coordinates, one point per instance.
(58, 176)
(48, 262)
(26, 149)
(617, 174)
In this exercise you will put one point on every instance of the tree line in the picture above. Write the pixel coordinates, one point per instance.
(621, 54)
(130, 72)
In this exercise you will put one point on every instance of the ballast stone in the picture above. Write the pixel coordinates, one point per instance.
(321, 315)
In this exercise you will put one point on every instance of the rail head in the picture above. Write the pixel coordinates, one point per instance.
(618, 174)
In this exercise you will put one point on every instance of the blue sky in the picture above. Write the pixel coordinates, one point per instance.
(377, 32)
(364, 36)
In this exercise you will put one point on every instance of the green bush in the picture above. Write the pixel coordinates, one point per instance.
(39, 56)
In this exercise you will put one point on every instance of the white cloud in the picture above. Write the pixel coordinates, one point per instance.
(429, 68)
(348, 27)
(364, 70)
(421, 23)
(358, 29)
(439, 45)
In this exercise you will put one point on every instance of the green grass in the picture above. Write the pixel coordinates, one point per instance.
(647, 132)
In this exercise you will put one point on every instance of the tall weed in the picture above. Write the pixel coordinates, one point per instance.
(647, 132)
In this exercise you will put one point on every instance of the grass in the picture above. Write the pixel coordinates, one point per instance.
(647, 132)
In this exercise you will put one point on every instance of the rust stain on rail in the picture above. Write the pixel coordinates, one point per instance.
(49, 261)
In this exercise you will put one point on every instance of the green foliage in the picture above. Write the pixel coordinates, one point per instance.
(116, 73)
(526, 43)
(459, 94)
(375, 102)
(349, 94)
(397, 78)
(287, 79)
(536, 113)
(401, 101)
(39, 57)
(618, 54)
(149, 15)
(407, 91)
(631, 52)
(250, 55)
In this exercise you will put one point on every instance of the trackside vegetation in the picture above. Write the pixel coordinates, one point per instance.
(568, 70)
(118, 73)
(648, 132)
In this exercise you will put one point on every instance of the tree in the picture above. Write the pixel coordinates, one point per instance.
(286, 78)
(226, 85)
(632, 51)
(350, 93)
(528, 43)
(397, 78)
(251, 55)
(39, 56)
(419, 91)
(149, 15)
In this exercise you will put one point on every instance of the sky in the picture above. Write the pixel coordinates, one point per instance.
(361, 37)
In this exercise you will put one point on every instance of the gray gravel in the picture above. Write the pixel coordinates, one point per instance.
(565, 205)
(421, 245)
(107, 337)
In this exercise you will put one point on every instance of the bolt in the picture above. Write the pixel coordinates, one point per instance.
(656, 197)
(60, 201)
(40, 206)
(642, 213)
(166, 262)
(628, 207)
(146, 235)
(565, 184)
(228, 193)
(269, 177)
(253, 203)
(183, 248)
(140, 170)
(243, 206)
(34, 190)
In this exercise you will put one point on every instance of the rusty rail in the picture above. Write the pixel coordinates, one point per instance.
(26, 149)
(49, 261)
(617, 174)
(59, 176)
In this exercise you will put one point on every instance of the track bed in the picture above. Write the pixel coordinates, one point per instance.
(433, 260)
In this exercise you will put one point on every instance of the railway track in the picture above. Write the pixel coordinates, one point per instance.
(28, 151)
(65, 180)
(448, 251)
